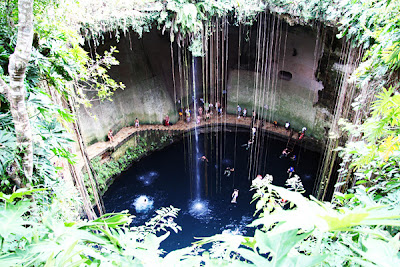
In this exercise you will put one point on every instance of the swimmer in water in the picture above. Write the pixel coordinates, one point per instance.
(248, 145)
(285, 153)
(203, 158)
(228, 171)
(235, 194)
(290, 171)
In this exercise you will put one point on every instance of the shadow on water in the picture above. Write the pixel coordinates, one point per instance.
(166, 178)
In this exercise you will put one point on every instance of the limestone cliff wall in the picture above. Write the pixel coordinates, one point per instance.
(290, 92)
(146, 70)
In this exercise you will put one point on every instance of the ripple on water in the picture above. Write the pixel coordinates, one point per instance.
(200, 209)
(236, 227)
(148, 178)
(227, 162)
(307, 176)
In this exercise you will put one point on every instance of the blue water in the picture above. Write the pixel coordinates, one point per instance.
(167, 177)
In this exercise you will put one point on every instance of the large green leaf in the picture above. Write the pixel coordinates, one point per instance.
(19, 194)
(278, 243)
(12, 221)
(300, 260)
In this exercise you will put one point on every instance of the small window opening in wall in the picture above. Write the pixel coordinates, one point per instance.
(294, 53)
(285, 75)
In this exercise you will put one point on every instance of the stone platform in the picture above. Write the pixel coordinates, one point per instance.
(99, 148)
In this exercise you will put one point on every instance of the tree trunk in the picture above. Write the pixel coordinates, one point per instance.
(74, 170)
(77, 177)
(16, 92)
(88, 165)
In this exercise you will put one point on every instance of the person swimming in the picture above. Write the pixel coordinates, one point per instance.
(203, 158)
(235, 194)
(228, 171)
(285, 153)
(290, 171)
(248, 145)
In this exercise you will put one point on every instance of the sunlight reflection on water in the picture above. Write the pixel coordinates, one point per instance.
(199, 209)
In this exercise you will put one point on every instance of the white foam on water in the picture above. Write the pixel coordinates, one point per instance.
(143, 204)
(237, 228)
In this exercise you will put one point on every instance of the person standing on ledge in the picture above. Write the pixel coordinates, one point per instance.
(180, 114)
(287, 126)
(244, 112)
(303, 132)
(137, 123)
(166, 120)
(110, 136)
(239, 110)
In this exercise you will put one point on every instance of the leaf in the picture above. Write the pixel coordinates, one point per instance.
(252, 256)
(7, 150)
(300, 260)
(278, 243)
(19, 194)
(389, 145)
(174, 257)
(12, 222)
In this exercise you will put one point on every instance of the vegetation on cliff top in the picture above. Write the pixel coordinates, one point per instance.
(360, 226)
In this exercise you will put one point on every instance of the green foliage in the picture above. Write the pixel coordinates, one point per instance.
(320, 234)
(310, 233)
(109, 169)
(58, 62)
(184, 19)
(7, 152)
(359, 227)
(37, 238)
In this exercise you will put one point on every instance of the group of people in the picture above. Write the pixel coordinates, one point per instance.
(206, 110)
(110, 134)
(228, 171)
(240, 113)
(287, 127)
(286, 152)
(203, 112)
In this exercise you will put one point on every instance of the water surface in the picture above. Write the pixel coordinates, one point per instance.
(167, 177)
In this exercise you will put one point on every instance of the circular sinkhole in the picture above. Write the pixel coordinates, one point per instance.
(168, 177)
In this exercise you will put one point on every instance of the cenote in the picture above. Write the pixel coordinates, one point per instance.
(168, 177)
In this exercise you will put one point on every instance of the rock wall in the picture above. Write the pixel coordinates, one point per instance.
(290, 92)
(146, 70)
